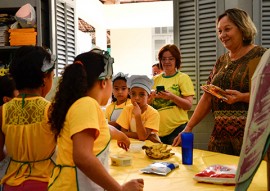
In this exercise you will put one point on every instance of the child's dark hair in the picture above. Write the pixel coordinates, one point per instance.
(7, 87)
(118, 78)
(26, 66)
(77, 78)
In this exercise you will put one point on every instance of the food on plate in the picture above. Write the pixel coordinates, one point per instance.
(215, 91)
(158, 151)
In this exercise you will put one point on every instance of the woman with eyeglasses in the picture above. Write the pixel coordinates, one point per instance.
(232, 72)
(25, 131)
(175, 97)
(83, 133)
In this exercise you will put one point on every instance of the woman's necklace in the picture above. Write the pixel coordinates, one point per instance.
(234, 57)
(228, 63)
(242, 52)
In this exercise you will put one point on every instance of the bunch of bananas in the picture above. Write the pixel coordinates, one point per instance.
(158, 151)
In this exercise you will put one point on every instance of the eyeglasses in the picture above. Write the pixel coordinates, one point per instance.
(134, 95)
(170, 59)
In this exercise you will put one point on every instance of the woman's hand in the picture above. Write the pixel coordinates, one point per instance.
(184, 102)
(164, 95)
(234, 96)
(177, 140)
(151, 96)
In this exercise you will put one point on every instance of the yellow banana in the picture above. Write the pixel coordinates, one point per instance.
(158, 151)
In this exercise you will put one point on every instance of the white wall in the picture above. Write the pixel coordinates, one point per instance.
(130, 25)
(92, 11)
(131, 49)
(84, 42)
(139, 15)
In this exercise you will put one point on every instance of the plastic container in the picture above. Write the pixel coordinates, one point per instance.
(121, 160)
(187, 148)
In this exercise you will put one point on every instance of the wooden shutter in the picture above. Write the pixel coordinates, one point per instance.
(207, 42)
(186, 28)
(195, 34)
(265, 23)
(65, 35)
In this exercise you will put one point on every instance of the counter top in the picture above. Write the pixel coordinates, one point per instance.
(181, 178)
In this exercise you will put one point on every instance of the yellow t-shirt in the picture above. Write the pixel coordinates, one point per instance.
(172, 116)
(150, 119)
(112, 107)
(83, 114)
(28, 138)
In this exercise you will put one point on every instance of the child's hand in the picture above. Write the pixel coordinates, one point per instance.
(136, 109)
(134, 185)
(123, 141)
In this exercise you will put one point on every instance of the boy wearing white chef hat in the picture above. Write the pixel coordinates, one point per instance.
(139, 120)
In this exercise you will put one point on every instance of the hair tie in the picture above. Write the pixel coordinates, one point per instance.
(78, 62)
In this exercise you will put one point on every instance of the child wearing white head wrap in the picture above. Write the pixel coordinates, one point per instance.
(141, 81)
(139, 120)
(120, 98)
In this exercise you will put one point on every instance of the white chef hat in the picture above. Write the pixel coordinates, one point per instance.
(141, 81)
(120, 75)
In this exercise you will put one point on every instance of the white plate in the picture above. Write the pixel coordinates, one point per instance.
(136, 146)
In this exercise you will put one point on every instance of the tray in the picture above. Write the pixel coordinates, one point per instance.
(215, 91)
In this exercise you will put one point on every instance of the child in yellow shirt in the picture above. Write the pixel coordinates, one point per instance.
(140, 120)
(120, 98)
(25, 131)
(84, 135)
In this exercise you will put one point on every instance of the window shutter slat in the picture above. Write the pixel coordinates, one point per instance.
(65, 30)
(197, 39)
(265, 23)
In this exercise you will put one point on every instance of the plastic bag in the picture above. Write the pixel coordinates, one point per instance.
(217, 174)
(160, 168)
(26, 16)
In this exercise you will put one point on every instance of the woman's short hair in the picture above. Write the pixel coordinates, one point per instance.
(173, 49)
(243, 21)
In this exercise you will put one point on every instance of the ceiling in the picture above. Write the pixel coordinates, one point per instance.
(127, 1)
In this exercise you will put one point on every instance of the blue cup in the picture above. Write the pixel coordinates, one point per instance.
(187, 147)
